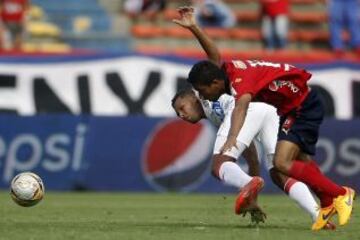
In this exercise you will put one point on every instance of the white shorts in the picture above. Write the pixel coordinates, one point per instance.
(261, 123)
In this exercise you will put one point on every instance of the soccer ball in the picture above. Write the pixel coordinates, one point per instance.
(27, 189)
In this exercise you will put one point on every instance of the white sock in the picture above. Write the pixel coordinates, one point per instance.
(299, 192)
(231, 174)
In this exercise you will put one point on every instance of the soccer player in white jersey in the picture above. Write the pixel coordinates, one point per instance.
(261, 123)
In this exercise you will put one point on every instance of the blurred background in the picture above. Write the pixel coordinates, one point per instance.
(86, 85)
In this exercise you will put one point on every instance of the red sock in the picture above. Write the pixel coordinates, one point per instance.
(307, 173)
(325, 200)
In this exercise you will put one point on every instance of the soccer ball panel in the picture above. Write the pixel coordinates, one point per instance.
(27, 189)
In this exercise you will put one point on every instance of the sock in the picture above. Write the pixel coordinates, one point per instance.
(231, 174)
(308, 174)
(301, 194)
(325, 200)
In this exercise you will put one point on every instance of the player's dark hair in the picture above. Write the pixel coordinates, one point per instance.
(204, 73)
(182, 93)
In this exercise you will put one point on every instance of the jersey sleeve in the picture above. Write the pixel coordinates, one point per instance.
(227, 103)
(241, 78)
(241, 88)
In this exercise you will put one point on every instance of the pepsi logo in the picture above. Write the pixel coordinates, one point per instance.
(177, 155)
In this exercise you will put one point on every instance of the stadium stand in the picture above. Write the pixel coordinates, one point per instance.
(308, 32)
(43, 35)
(63, 26)
(85, 24)
(65, 13)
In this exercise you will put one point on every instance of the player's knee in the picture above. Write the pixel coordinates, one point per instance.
(217, 161)
(277, 178)
(281, 165)
(284, 155)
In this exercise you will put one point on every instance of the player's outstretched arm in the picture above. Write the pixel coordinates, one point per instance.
(237, 121)
(251, 157)
(187, 20)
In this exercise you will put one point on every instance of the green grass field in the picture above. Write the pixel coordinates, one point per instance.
(157, 216)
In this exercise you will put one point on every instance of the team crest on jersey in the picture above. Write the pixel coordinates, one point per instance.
(238, 80)
(218, 110)
(239, 64)
(205, 103)
(274, 86)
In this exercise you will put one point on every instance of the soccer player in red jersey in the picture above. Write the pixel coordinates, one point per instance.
(301, 113)
(262, 124)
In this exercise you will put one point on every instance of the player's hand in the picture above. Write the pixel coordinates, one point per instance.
(187, 19)
(229, 144)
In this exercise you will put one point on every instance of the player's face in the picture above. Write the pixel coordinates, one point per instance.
(211, 92)
(189, 108)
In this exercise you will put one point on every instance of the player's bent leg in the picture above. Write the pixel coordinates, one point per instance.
(325, 199)
(327, 209)
(301, 194)
(341, 204)
(226, 170)
(224, 166)
(297, 191)
(285, 153)
(248, 195)
(277, 178)
(306, 172)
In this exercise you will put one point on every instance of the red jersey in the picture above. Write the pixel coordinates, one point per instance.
(273, 8)
(13, 10)
(281, 85)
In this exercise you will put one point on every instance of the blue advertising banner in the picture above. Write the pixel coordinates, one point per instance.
(338, 151)
(142, 154)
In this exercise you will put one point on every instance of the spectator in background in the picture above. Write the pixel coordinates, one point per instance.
(275, 23)
(149, 9)
(13, 16)
(344, 13)
(213, 13)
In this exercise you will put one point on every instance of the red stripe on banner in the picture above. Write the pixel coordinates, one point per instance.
(169, 143)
